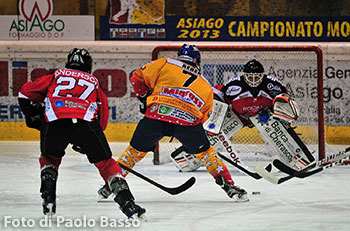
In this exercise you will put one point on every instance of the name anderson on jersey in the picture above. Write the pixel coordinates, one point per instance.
(72, 73)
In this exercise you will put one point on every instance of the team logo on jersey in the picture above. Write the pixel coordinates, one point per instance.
(59, 103)
(209, 113)
(184, 94)
(271, 87)
(176, 113)
(233, 90)
(154, 107)
(164, 110)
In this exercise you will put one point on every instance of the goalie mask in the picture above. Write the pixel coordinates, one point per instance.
(190, 55)
(79, 59)
(253, 73)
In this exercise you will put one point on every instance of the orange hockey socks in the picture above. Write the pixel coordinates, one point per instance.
(214, 164)
(130, 157)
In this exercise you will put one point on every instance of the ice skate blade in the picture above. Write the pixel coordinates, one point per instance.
(50, 213)
(241, 199)
(142, 218)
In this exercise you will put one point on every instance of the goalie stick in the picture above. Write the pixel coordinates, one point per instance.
(322, 164)
(261, 172)
(172, 191)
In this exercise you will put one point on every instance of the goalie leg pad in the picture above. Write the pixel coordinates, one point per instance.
(130, 157)
(232, 124)
(284, 142)
(185, 162)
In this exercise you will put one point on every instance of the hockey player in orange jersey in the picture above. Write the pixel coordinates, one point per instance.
(176, 99)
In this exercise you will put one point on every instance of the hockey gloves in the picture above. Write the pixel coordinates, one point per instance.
(285, 108)
(143, 100)
(33, 113)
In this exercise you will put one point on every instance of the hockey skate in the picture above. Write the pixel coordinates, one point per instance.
(233, 191)
(104, 192)
(48, 190)
(125, 199)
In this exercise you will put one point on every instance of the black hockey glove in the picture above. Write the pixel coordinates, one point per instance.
(33, 113)
(34, 122)
(143, 100)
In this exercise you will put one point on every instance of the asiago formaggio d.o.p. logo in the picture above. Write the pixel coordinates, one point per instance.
(36, 21)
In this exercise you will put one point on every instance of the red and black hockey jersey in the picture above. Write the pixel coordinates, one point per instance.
(248, 101)
(68, 94)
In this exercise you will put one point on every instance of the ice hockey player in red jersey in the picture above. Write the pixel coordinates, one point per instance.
(75, 112)
(250, 93)
(177, 100)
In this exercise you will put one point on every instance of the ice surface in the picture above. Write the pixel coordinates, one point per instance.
(320, 202)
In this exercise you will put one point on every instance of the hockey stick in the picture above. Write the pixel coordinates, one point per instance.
(328, 162)
(243, 169)
(172, 191)
(270, 177)
(261, 172)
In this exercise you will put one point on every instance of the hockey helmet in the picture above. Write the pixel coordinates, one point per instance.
(189, 54)
(79, 59)
(253, 73)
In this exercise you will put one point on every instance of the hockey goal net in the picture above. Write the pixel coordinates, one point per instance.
(299, 68)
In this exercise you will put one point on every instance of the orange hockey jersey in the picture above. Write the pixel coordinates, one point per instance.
(179, 93)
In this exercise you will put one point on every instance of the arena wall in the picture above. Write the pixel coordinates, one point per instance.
(21, 61)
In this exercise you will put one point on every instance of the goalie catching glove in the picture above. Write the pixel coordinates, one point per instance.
(285, 108)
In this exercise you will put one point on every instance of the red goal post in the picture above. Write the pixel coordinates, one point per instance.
(216, 58)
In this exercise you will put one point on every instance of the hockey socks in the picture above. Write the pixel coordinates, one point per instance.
(214, 164)
(130, 157)
(108, 168)
(47, 160)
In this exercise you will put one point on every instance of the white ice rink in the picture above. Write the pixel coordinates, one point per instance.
(320, 202)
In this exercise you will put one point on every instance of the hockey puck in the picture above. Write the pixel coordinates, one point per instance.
(256, 193)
